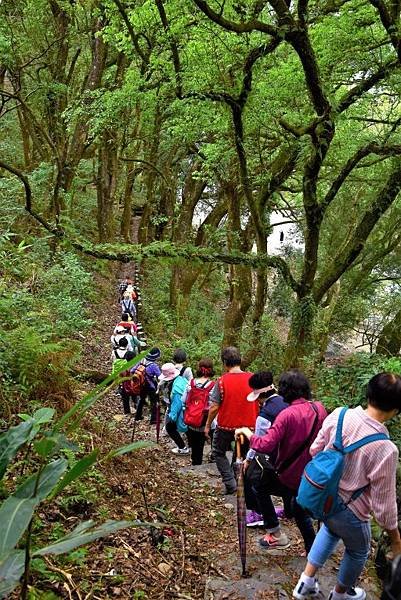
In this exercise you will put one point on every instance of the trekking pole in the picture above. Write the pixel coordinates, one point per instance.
(135, 420)
(241, 506)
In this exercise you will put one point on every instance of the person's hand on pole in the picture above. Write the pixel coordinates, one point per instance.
(243, 431)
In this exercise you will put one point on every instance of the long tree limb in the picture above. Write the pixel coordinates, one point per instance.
(383, 150)
(252, 25)
(351, 249)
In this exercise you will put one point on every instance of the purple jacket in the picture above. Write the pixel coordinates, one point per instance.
(290, 429)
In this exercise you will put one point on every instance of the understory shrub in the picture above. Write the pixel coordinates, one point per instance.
(345, 383)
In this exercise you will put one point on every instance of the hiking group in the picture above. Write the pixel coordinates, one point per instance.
(336, 469)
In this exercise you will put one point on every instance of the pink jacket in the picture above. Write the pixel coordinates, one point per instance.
(291, 428)
(374, 465)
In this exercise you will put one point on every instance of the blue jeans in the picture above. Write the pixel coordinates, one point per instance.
(355, 535)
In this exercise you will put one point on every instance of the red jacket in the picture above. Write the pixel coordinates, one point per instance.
(235, 410)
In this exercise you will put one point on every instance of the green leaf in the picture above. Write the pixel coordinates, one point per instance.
(17, 510)
(43, 415)
(84, 534)
(15, 514)
(80, 467)
(11, 441)
(11, 568)
(48, 479)
(52, 442)
(128, 448)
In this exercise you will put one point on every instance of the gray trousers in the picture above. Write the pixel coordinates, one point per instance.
(222, 440)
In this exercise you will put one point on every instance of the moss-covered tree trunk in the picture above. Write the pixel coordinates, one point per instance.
(106, 186)
(389, 342)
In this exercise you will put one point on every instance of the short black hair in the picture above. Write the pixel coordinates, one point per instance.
(293, 385)
(179, 356)
(260, 380)
(124, 317)
(122, 342)
(384, 392)
(231, 357)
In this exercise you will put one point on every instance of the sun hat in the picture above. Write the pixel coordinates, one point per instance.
(120, 329)
(169, 372)
(153, 355)
(256, 393)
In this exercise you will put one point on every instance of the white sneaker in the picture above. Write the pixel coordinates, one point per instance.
(355, 593)
(302, 590)
(163, 432)
(180, 450)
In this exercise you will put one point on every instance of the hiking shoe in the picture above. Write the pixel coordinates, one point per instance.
(302, 590)
(356, 593)
(270, 541)
(254, 519)
(180, 450)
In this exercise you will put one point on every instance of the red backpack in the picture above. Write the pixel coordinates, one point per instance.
(134, 385)
(196, 404)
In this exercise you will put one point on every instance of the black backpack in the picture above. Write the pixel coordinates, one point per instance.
(392, 589)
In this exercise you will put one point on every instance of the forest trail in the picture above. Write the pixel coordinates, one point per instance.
(195, 553)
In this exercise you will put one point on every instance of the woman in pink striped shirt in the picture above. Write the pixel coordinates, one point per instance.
(372, 467)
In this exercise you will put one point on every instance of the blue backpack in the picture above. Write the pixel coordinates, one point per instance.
(318, 490)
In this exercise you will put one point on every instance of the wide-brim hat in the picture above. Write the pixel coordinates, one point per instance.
(256, 393)
(169, 372)
(153, 355)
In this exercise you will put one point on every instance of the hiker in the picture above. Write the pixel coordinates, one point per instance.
(119, 333)
(175, 422)
(290, 437)
(129, 325)
(128, 306)
(257, 467)
(179, 360)
(120, 349)
(367, 484)
(229, 404)
(134, 344)
(196, 405)
(122, 286)
(130, 289)
(124, 387)
(147, 387)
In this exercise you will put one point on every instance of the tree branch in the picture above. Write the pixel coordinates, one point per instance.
(358, 90)
(253, 25)
(351, 249)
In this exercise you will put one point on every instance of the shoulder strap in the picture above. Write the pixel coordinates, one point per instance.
(338, 442)
(211, 385)
(192, 384)
(182, 370)
(366, 440)
(298, 452)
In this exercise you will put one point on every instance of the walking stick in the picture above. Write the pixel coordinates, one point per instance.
(157, 419)
(135, 420)
(241, 506)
